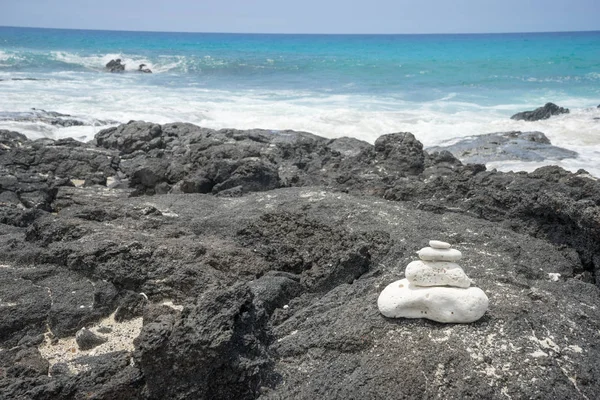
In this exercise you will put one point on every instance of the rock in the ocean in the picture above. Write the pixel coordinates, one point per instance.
(436, 244)
(87, 339)
(545, 112)
(502, 146)
(401, 299)
(436, 273)
(432, 254)
(115, 66)
(142, 68)
(52, 118)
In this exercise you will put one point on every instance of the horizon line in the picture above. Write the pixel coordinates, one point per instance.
(295, 33)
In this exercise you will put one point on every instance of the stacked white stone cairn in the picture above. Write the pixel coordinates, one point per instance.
(435, 288)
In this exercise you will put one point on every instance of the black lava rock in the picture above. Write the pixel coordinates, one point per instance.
(260, 255)
(545, 112)
(142, 68)
(503, 146)
(115, 66)
(87, 339)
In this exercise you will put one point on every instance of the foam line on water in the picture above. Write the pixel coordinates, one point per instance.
(132, 62)
(366, 117)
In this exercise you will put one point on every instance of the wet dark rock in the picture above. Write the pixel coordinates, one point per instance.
(142, 68)
(87, 339)
(503, 146)
(115, 66)
(545, 112)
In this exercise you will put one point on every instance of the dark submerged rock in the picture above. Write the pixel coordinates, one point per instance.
(115, 66)
(502, 146)
(545, 112)
(142, 68)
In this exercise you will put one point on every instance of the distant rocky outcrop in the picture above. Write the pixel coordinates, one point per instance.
(503, 146)
(115, 66)
(545, 112)
(142, 68)
(255, 259)
(52, 118)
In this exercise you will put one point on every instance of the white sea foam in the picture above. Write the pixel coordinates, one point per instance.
(127, 97)
(9, 58)
(98, 62)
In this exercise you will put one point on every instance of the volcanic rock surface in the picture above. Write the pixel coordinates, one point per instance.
(545, 112)
(503, 146)
(115, 66)
(255, 259)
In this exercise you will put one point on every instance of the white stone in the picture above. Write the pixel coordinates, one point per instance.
(431, 254)
(554, 277)
(401, 299)
(436, 273)
(436, 244)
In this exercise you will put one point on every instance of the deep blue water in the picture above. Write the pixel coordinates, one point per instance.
(488, 67)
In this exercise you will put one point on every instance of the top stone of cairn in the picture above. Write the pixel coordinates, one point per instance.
(436, 244)
(438, 253)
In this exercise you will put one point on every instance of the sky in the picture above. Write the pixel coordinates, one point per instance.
(307, 16)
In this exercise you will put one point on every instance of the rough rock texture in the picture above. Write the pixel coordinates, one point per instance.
(87, 339)
(503, 146)
(436, 273)
(269, 289)
(545, 112)
(142, 68)
(115, 66)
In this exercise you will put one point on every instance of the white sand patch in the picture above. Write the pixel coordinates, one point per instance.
(119, 339)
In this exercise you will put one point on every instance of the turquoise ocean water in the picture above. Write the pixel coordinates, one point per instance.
(437, 86)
